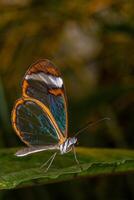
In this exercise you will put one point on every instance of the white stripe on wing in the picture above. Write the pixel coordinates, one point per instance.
(48, 79)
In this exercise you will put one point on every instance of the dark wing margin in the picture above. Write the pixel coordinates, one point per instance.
(32, 124)
(43, 82)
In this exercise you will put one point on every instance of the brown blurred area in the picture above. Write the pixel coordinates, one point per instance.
(92, 43)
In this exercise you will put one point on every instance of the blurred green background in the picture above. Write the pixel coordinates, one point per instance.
(92, 43)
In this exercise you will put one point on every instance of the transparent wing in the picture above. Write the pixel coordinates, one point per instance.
(32, 124)
(43, 82)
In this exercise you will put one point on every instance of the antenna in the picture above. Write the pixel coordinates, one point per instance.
(91, 124)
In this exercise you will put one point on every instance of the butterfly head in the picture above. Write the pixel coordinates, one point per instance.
(67, 145)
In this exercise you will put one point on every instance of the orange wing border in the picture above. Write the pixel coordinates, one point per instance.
(45, 110)
(53, 70)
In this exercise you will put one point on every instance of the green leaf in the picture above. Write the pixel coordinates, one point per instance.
(25, 171)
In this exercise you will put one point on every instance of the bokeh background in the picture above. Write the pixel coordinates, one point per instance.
(92, 43)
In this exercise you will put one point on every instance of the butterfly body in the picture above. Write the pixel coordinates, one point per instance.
(65, 147)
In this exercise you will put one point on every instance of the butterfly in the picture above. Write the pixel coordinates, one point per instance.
(40, 117)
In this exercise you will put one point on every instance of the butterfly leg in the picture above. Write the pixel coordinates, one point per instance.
(76, 159)
(51, 159)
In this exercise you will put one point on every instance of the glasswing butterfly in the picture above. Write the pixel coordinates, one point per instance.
(39, 117)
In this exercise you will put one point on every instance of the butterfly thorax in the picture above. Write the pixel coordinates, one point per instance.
(67, 145)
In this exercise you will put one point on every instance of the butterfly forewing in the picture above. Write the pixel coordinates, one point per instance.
(32, 124)
(44, 83)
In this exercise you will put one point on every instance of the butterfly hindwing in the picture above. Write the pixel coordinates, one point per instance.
(32, 124)
(43, 82)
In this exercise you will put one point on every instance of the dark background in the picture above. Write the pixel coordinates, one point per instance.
(92, 43)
